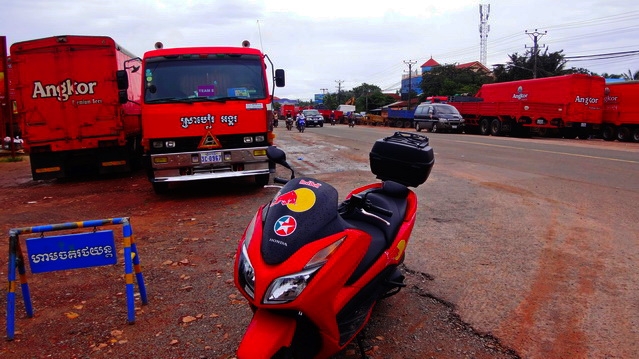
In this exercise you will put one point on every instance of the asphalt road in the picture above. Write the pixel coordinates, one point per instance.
(531, 240)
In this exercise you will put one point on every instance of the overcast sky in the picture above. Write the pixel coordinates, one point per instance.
(326, 43)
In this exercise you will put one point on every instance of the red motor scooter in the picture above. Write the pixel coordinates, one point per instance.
(312, 269)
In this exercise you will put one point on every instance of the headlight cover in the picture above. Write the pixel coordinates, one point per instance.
(287, 288)
(245, 270)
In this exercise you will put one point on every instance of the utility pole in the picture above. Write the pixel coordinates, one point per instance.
(339, 90)
(410, 78)
(535, 35)
(323, 91)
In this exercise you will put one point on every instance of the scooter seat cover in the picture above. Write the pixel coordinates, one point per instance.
(303, 211)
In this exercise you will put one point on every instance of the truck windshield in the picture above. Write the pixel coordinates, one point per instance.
(192, 79)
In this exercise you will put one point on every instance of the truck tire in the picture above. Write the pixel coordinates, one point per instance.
(609, 133)
(484, 127)
(623, 134)
(495, 127)
(635, 135)
(160, 187)
(418, 127)
(261, 180)
(434, 128)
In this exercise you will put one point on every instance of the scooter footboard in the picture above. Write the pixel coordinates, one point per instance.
(267, 333)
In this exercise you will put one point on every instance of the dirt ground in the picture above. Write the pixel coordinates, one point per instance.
(186, 241)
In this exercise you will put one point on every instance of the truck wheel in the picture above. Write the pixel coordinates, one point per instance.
(609, 133)
(434, 128)
(495, 127)
(418, 128)
(407, 124)
(484, 127)
(635, 135)
(261, 180)
(623, 134)
(160, 187)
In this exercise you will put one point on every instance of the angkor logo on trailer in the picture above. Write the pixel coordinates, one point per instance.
(520, 95)
(63, 90)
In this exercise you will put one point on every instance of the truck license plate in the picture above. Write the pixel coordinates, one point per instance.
(210, 157)
(540, 121)
(454, 126)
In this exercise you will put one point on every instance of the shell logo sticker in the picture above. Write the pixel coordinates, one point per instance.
(401, 246)
(285, 226)
(209, 141)
(298, 200)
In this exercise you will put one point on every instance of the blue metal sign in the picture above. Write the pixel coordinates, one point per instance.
(71, 251)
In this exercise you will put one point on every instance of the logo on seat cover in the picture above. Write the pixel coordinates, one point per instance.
(297, 200)
(285, 226)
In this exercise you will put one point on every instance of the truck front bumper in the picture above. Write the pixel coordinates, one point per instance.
(212, 164)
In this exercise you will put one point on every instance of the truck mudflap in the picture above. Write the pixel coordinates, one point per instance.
(267, 333)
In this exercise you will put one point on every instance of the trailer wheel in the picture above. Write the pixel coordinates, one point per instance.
(635, 135)
(495, 127)
(623, 134)
(484, 127)
(609, 133)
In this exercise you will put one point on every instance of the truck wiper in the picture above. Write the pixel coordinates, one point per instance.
(169, 100)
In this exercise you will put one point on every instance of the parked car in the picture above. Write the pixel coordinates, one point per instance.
(437, 117)
(313, 118)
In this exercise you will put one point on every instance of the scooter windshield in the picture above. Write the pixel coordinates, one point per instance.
(303, 211)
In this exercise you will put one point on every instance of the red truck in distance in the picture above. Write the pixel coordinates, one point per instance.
(69, 106)
(569, 105)
(206, 114)
(621, 111)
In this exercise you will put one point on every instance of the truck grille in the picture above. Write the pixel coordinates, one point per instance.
(190, 144)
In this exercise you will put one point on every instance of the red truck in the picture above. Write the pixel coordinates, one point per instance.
(74, 117)
(207, 114)
(621, 111)
(569, 105)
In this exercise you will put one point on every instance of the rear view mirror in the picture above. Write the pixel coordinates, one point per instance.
(123, 97)
(279, 78)
(122, 78)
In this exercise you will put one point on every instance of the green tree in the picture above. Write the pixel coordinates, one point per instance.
(630, 76)
(522, 67)
(368, 97)
(448, 80)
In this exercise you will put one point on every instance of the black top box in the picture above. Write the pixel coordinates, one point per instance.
(404, 157)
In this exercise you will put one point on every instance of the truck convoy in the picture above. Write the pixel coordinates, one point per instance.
(68, 107)
(206, 114)
(569, 105)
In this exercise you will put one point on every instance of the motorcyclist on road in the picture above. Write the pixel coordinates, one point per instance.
(300, 116)
(332, 118)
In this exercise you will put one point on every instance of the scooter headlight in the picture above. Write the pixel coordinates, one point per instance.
(287, 288)
(245, 270)
(246, 273)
